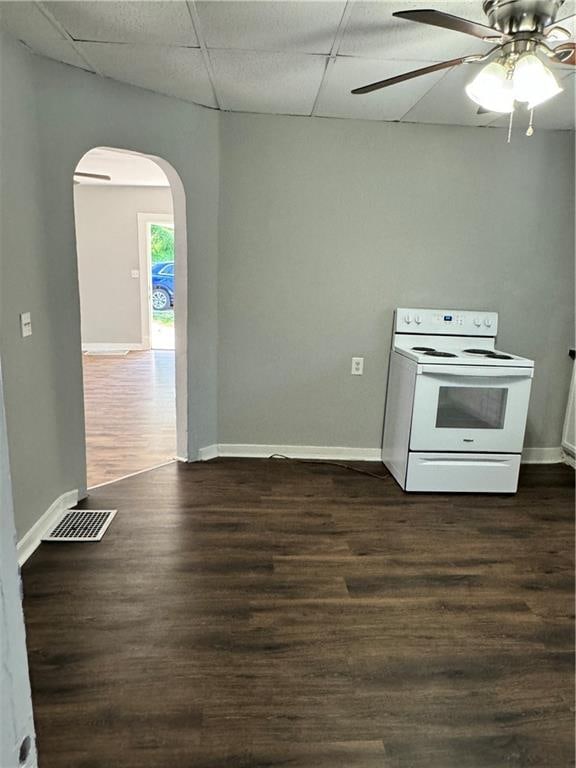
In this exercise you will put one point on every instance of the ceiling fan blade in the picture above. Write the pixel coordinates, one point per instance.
(410, 75)
(559, 21)
(102, 176)
(447, 21)
(565, 53)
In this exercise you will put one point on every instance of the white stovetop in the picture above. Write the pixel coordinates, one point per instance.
(456, 346)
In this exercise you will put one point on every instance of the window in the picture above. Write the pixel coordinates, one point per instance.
(471, 407)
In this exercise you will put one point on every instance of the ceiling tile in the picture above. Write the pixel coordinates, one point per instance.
(160, 23)
(28, 24)
(261, 54)
(387, 104)
(568, 9)
(447, 102)
(280, 83)
(557, 114)
(372, 32)
(176, 72)
(307, 27)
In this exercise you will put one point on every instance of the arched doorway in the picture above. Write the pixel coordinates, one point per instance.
(117, 285)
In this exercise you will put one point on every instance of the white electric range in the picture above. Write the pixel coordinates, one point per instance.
(456, 406)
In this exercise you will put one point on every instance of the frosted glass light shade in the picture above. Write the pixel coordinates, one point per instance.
(533, 82)
(492, 89)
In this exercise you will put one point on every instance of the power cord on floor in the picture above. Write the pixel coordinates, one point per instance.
(330, 464)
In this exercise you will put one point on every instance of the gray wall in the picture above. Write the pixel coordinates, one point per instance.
(106, 220)
(327, 225)
(324, 227)
(51, 116)
(41, 373)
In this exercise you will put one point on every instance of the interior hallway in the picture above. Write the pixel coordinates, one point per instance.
(129, 403)
(246, 613)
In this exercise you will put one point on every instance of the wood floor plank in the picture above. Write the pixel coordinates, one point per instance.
(251, 614)
(130, 413)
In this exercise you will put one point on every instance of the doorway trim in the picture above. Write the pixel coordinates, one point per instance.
(186, 445)
(145, 262)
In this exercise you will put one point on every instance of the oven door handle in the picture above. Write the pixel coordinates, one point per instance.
(484, 372)
(463, 461)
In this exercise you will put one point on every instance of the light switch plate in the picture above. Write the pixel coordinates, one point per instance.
(25, 324)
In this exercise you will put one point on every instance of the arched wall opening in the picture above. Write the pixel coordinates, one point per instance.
(180, 301)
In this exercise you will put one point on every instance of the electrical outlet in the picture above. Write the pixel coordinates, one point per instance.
(135, 273)
(357, 366)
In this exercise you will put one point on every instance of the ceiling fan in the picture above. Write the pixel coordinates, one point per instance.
(522, 31)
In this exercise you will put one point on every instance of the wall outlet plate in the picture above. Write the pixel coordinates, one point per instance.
(357, 366)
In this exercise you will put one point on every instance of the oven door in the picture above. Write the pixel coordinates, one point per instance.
(470, 408)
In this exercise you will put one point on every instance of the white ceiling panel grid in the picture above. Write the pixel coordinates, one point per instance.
(150, 21)
(374, 33)
(277, 83)
(178, 72)
(269, 25)
(278, 56)
(30, 25)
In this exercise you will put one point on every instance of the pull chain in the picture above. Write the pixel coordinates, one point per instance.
(510, 126)
(530, 129)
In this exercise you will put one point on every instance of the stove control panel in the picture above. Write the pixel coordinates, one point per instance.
(452, 322)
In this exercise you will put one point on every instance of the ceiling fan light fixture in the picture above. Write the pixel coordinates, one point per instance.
(492, 89)
(533, 82)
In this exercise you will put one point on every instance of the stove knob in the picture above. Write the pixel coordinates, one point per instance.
(417, 319)
(407, 319)
(477, 322)
(488, 322)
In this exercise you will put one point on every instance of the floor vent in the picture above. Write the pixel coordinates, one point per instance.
(82, 525)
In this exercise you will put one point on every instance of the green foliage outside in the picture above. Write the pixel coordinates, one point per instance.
(161, 243)
(166, 317)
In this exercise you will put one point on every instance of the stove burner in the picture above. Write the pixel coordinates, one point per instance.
(498, 356)
(423, 349)
(437, 353)
(477, 351)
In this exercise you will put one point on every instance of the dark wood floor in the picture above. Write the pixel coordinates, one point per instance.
(261, 614)
(130, 412)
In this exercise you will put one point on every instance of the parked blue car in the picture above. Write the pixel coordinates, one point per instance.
(163, 285)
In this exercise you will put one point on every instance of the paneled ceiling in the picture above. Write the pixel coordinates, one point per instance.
(296, 57)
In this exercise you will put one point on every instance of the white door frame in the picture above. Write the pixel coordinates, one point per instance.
(187, 448)
(145, 220)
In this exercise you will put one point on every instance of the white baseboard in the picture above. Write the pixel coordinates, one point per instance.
(97, 348)
(299, 452)
(542, 455)
(245, 450)
(208, 452)
(30, 541)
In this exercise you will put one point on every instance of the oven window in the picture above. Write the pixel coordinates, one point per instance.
(471, 407)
